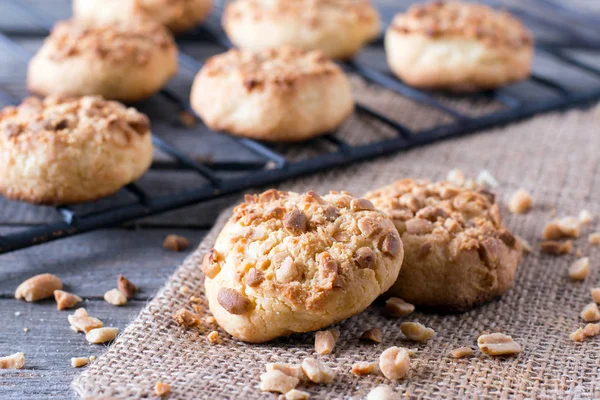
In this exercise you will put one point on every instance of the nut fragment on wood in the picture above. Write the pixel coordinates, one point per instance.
(81, 321)
(590, 313)
(416, 331)
(383, 393)
(14, 361)
(520, 202)
(288, 369)
(38, 287)
(498, 344)
(324, 342)
(594, 238)
(277, 381)
(175, 243)
(186, 318)
(78, 362)
(394, 362)
(66, 300)
(396, 307)
(162, 389)
(101, 335)
(363, 368)
(316, 371)
(461, 352)
(580, 269)
(126, 287)
(213, 337)
(296, 394)
(372, 335)
(556, 248)
(115, 297)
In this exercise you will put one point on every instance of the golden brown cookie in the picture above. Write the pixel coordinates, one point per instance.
(176, 15)
(288, 262)
(60, 150)
(339, 28)
(126, 61)
(458, 46)
(457, 252)
(275, 95)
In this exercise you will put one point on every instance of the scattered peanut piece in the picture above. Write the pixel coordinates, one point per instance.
(198, 308)
(498, 344)
(455, 176)
(195, 299)
(101, 335)
(210, 320)
(213, 337)
(184, 290)
(594, 238)
(396, 307)
(115, 297)
(552, 231)
(14, 361)
(186, 318)
(416, 331)
(277, 381)
(578, 335)
(590, 313)
(556, 248)
(524, 244)
(382, 393)
(316, 371)
(585, 217)
(296, 394)
(126, 287)
(461, 352)
(175, 243)
(520, 202)
(288, 369)
(38, 287)
(66, 300)
(162, 389)
(92, 358)
(324, 342)
(486, 180)
(570, 227)
(78, 362)
(372, 335)
(394, 362)
(591, 330)
(363, 368)
(412, 352)
(580, 269)
(578, 252)
(595, 294)
(80, 321)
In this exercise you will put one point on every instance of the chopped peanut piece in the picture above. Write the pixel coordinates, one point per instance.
(580, 269)
(570, 227)
(277, 381)
(186, 318)
(382, 393)
(594, 238)
(38, 287)
(552, 231)
(372, 335)
(210, 320)
(175, 243)
(126, 287)
(396, 307)
(363, 368)
(486, 180)
(556, 248)
(316, 371)
(295, 394)
(92, 358)
(578, 335)
(590, 313)
(524, 244)
(585, 217)
(14, 361)
(455, 176)
(412, 352)
(115, 297)
(288, 369)
(162, 389)
(520, 202)
(101, 335)
(461, 352)
(324, 342)
(394, 362)
(591, 330)
(77, 362)
(498, 344)
(213, 337)
(416, 331)
(82, 322)
(595, 294)
(66, 300)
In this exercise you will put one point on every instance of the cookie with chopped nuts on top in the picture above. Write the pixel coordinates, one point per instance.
(457, 252)
(339, 28)
(283, 94)
(126, 61)
(70, 150)
(458, 46)
(288, 262)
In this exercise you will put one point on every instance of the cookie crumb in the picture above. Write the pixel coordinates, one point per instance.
(461, 352)
(184, 290)
(210, 320)
(162, 389)
(556, 248)
(186, 318)
(520, 202)
(570, 227)
(585, 217)
(126, 287)
(65, 300)
(394, 362)
(591, 330)
(595, 292)
(288, 369)
(396, 307)
(316, 371)
(498, 344)
(590, 313)
(213, 337)
(78, 362)
(580, 269)
(296, 394)
(578, 335)
(277, 381)
(363, 368)
(324, 342)
(594, 238)
(372, 335)
(115, 297)
(416, 331)
(14, 361)
(382, 393)
(175, 243)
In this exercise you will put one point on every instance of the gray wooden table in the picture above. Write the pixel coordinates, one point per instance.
(89, 264)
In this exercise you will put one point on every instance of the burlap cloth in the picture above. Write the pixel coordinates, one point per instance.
(555, 156)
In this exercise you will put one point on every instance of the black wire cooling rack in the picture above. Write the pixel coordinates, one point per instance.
(270, 164)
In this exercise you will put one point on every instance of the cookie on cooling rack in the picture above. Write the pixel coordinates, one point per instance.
(339, 28)
(280, 94)
(125, 61)
(288, 262)
(61, 151)
(457, 252)
(458, 46)
(176, 15)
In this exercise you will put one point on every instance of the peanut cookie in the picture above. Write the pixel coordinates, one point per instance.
(60, 150)
(339, 28)
(288, 262)
(458, 46)
(457, 252)
(125, 61)
(275, 95)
